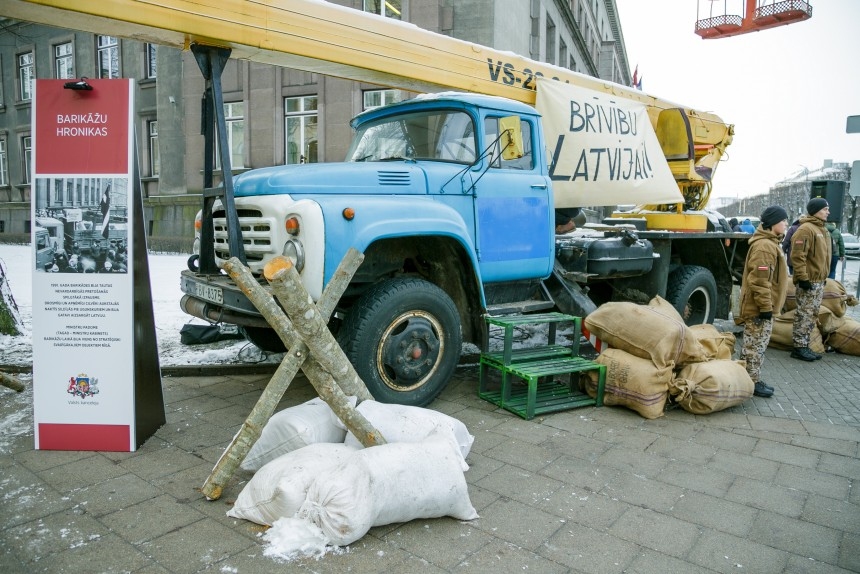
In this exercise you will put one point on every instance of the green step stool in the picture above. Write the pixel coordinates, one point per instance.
(538, 370)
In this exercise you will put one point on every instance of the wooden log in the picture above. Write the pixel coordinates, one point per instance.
(293, 361)
(11, 382)
(288, 288)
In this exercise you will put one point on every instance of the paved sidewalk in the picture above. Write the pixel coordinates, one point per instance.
(769, 486)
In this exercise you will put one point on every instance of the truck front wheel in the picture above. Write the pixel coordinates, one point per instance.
(693, 292)
(403, 338)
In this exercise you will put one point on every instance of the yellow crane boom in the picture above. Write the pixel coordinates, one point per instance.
(328, 39)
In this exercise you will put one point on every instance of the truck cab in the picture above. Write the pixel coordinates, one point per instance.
(44, 249)
(448, 227)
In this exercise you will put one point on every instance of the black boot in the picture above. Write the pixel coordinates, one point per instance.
(762, 390)
(804, 354)
(765, 385)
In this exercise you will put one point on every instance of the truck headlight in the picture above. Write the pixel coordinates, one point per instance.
(294, 250)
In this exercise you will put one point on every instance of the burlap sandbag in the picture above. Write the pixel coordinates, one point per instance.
(828, 322)
(631, 382)
(717, 345)
(846, 339)
(655, 331)
(783, 326)
(835, 297)
(703, 388)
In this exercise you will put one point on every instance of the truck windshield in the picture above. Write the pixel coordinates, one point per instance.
(436, 135)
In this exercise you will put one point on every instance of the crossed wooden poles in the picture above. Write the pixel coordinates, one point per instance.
(312, 348)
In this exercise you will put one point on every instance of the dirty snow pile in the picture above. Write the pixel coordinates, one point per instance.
(320, 490)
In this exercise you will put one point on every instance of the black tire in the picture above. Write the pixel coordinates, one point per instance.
(693, 292)
(264, 338)
(403, 338)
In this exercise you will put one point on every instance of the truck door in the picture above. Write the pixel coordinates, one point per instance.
(513, 211)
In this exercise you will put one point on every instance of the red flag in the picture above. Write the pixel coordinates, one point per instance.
(636, 76)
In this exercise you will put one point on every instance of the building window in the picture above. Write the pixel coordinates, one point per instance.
(234, 117)
(4, 163)
(108, 57)
(2, 99)
(26, 154)
(64, 61)
(550, 41)
(301, 130)
(387, 8)
(378, 98)
(26, 75)
(151, 51)
(58, 191)
(154, 158)
(562, 54)
(70, 200)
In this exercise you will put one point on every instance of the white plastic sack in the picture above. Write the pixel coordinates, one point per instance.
(293, 428)
(401, 423)
(394, 482)
(278, 489)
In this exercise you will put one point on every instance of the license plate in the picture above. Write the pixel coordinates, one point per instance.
(208, 292)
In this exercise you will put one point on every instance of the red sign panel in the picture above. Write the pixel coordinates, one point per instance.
(82, 131)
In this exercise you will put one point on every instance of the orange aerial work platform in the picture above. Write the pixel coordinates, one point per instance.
(759, 15)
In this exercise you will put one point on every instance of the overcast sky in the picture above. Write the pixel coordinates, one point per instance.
(788, 90)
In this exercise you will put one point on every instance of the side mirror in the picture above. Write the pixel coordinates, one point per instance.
(512, 138)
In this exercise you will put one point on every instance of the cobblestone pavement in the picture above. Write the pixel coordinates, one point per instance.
(768, 486)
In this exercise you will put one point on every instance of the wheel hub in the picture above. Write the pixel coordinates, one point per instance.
(410, 350)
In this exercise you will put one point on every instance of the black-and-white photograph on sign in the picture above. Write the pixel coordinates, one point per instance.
(81, 224)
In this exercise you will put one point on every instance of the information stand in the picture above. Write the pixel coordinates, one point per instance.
(96, 374)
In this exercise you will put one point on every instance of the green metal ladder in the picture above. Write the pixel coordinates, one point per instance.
(541, 370)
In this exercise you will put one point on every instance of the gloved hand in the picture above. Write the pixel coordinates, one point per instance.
(764, 315)
(805, 285)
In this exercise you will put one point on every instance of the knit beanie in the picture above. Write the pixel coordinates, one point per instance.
(815, 205)
(772, 215)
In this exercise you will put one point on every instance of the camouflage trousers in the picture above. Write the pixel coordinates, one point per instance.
(806, 315)
(756, 337)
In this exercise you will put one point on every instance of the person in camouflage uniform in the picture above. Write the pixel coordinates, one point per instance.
(810, 258)
(763, 288)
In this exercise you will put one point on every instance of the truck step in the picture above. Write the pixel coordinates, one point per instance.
(519, 307)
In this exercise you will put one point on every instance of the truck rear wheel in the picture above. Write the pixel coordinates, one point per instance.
(403, 338)
(693, 292)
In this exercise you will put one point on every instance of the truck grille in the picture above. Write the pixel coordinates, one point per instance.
(256, 235)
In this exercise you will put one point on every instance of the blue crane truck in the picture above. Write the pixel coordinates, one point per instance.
(453, 229)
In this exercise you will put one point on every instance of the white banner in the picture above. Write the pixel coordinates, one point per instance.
(603, 149)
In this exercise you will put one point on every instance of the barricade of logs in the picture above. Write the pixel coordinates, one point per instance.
(302, 326)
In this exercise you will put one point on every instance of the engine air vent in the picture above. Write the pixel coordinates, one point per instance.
(394, 178)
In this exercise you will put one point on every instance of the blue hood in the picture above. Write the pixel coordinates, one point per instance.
(376, 178)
